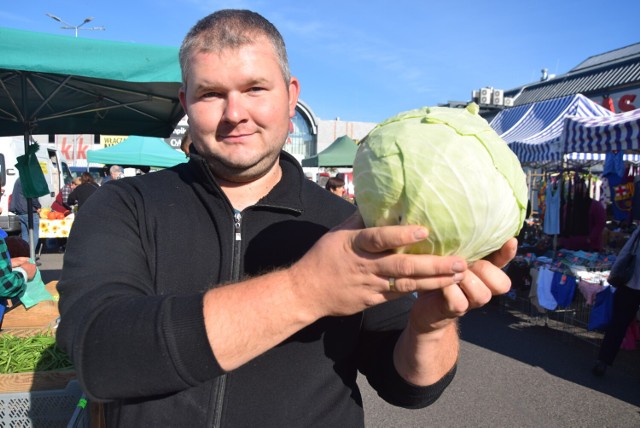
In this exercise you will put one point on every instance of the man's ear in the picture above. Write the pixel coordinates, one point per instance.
(182, 94)
(294, 93)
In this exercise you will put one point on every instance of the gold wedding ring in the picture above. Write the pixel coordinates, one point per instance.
(392, 284)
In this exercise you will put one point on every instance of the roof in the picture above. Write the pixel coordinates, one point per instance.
(602, 59)
(534, 131)
(595, 75)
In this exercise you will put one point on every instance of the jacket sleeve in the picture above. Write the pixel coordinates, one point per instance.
(73, 198)
(125, 339)
(12, 281)
(381, 328)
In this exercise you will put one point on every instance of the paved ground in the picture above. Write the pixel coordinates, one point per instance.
(516, 374)
(512, 373)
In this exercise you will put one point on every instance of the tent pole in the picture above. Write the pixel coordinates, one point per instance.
(27, 125)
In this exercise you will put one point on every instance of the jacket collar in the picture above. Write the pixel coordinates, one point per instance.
(286, 194)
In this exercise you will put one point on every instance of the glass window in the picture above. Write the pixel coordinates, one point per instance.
(300, 142)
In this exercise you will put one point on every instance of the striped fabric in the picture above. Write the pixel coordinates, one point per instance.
(600, 135)
(599, 157)
(535, 131)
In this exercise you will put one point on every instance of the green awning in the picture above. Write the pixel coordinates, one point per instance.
(340, 153)
(60, 84)
(138, 151)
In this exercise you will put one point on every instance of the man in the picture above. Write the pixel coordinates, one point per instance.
(18, 206)
(221, 297)
(115, 173)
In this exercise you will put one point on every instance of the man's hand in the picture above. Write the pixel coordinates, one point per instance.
(428, 347)
(481, 282)
(349, 268)
(24, 263)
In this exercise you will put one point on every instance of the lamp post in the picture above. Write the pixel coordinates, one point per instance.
(68, 26)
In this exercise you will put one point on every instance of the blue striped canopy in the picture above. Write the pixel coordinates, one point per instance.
(535, 131)
(619, 132)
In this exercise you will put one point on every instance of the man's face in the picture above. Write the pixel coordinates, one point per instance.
(239, 107)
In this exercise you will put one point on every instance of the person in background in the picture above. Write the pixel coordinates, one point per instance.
(85, 187)
(116, 172)
(336, 186)
(60, 204)
(18, 205)
(626, 302)
(222, 310)
(14, 274)
(65, 192)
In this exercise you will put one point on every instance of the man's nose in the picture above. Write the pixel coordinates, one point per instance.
(235, 110)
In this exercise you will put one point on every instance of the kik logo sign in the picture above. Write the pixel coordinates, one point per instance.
(73, 148)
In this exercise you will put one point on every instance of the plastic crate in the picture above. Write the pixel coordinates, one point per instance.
(10, 223)
(43, 409)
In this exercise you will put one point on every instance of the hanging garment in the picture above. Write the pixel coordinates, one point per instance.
(614, 164)
(621, 195)
(552, 211)
(533, 291)
(635, 201)
(563, 288)
(589, 290)
(545, 297)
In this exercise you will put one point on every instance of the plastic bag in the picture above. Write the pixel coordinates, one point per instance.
(32, 178)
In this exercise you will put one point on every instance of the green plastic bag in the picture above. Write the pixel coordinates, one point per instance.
(31, 176)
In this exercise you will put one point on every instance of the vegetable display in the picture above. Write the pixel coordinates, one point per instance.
(445, 169)
(29, 354)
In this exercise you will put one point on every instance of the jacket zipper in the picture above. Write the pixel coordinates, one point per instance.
(235, 276)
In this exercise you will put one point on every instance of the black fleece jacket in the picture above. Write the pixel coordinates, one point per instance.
(141, 255)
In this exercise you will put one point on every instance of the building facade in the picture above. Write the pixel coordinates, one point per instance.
(611, 79)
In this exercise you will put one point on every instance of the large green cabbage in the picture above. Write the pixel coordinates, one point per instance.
(448, 170)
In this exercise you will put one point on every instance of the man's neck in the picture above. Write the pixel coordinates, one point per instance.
(242, 195)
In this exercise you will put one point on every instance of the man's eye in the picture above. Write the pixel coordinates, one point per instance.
(211, 95)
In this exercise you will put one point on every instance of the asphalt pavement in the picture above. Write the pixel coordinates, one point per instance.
(512, 373)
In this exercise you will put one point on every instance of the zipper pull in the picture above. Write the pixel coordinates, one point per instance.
(237, 219)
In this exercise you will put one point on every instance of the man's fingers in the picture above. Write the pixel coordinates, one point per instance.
(493, 277)
(381, 239)
(505, 254)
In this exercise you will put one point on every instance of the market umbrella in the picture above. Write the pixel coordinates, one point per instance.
(340, 153)
(58, 84)
(139, 151)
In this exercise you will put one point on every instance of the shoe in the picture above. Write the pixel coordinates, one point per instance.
(599, 368)
(38, 263)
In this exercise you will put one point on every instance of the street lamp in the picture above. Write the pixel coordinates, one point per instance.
(68, 26)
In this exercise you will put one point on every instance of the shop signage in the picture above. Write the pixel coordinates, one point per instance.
(626, 100)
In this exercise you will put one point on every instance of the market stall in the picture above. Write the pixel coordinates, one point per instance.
(55, 228)
(535, 132)
(555, 273)
(138, 151)
(618, 132)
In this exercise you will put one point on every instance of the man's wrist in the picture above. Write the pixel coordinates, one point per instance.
(22, 272)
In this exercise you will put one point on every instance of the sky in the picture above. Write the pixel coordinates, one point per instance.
(367, 61)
